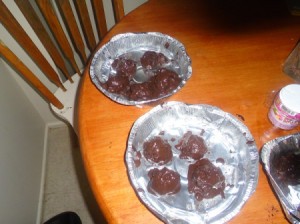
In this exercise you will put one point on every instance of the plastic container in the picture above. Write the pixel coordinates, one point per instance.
(294, 7)
(285, 111)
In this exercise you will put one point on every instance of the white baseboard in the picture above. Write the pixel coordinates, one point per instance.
(41, 195)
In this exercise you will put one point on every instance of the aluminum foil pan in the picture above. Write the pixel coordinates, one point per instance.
(225, 136)
(288, 194)
(133, 46)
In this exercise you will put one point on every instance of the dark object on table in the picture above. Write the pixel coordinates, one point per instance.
(292, 64)
(65, 218)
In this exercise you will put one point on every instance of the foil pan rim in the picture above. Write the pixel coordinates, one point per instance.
(120, 99)
(166, 216)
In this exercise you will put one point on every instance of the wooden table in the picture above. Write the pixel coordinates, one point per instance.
(237, 50)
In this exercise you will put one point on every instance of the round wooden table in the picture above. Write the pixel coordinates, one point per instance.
(237, 50)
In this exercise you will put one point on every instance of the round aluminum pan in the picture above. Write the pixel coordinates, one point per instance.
(289, 195)
(225, 136)
(132, 46)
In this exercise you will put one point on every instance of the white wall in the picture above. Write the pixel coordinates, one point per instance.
(129, 5)
(21, 152)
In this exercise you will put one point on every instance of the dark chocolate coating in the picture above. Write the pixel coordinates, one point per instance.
(163, 181)
(125, 66)
(141, 91)
(153, 60)
(205, 180)
(158, 151)
(117, 84)
(165, 81)
(191, 146)
(162, 81)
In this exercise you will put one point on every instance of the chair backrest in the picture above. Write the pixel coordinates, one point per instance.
(67, 31)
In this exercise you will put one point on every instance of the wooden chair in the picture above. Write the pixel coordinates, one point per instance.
(67, 33)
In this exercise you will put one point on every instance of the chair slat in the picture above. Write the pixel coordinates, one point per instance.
(61, 50)
(16, 30)
(58, 32)
(70, 21)
(118, 9)
(32, 18)
(85, 23)
(100, 17)
(29, 76)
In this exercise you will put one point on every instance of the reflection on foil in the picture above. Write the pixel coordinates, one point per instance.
(231, 148)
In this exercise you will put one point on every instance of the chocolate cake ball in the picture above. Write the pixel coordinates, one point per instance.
(163, 182)
(141, 91)
(117, 84)
(191, 146)
(205, 180)
(166, 80)
(152, 60)
(163, 82)
(121, 80)
(286, 166)
(157, 150)
(125, 66)
(161, 59)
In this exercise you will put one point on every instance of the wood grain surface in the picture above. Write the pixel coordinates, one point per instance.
(237, 50)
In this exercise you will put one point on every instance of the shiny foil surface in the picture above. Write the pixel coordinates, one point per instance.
(227, 139)
(288, 195)
(133, 46)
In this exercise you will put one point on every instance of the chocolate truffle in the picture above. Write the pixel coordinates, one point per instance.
(191, 146)
(125, 66)
(205, 180)
(163, 181)
(286, 166)
(117, 84)
(141, 91)
(153, 60)
(166, 80)
(157, 150)
(162, 81)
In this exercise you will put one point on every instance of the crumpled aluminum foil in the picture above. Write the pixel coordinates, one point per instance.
(289, 196)
(225, 136)
(132, 46)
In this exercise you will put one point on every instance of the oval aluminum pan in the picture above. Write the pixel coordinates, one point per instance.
(132, 46)
(289, 196)
(225, 136)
